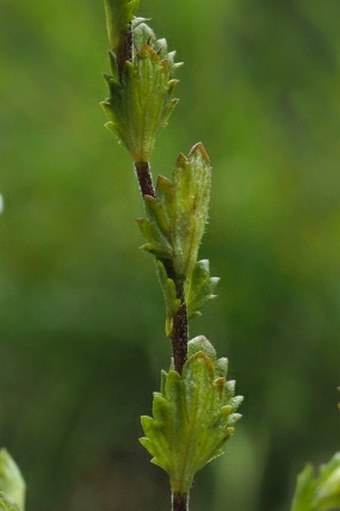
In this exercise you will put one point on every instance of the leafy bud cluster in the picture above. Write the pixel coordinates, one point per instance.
(141, 83)
(173, 230)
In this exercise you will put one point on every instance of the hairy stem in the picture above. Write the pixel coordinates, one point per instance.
(144, 176)
(124, 51)
(179, 336)
(179, 502)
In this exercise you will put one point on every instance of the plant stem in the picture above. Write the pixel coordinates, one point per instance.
(179, 502)
(179, 336)
(124, 52)
(144, 176)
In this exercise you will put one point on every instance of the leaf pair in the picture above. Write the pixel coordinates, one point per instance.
(177, 216)
(193, 415)
(141, 91)
(173, 230)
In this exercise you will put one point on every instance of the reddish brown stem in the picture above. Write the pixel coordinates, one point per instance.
(124, 51)
(179, 336)
(179, 502)
(144, 176)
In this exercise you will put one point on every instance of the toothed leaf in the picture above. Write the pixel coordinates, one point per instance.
(200, 288)
(193, 416)
(141, 90)
(178, 215)
(192, 179)
(171, 301)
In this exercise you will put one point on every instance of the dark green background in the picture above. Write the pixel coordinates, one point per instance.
(81, 315)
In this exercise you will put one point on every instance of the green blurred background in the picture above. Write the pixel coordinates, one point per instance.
(81, 312)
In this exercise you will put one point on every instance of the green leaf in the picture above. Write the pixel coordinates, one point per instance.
(200, 288)
(141, 94)
(172, 303)
(157, 228)
(320, 493)
(173, 229)
(12, 485)
(177, 217)
(193, 416)
(157, 243)
(192, 180)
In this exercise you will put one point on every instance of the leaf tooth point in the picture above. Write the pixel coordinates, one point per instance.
(147, 247)
(105, 104)
(182, 160)
(231, 385)
(149, 198)
(204, 264)
(172, 83)
(111, 127)
(199, 150)
(174, 102)
(235, 417)
(107, 77)
(138, 20)
(200, 344)
(178, 64)
(172, 55)
(221, 366)
(227, 409)
(236, 401)
(163, 182)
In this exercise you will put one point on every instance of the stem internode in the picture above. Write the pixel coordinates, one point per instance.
(179, 502)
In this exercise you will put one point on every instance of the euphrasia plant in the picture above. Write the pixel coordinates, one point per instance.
(195, 411)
